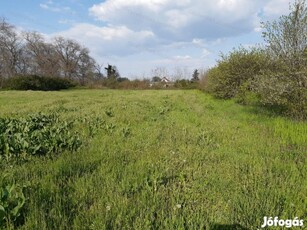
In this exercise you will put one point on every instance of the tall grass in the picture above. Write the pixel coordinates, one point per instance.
(161, 160)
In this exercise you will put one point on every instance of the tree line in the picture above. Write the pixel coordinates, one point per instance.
(272, 76)
(28, 53)
(29, 61)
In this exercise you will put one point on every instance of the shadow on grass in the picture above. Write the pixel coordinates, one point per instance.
(267, 111)
(273, 111)
(228, 227)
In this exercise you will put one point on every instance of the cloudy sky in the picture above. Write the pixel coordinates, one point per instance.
(140, 35)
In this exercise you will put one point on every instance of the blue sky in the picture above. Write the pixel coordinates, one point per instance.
(140, 36)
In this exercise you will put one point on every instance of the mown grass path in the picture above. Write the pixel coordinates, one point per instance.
(161, 160)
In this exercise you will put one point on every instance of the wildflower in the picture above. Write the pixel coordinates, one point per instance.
(177, 206)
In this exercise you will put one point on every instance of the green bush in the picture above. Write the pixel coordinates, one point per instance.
(134, 84)
(234, 70)
(186, 84)
(246, 94)
(34, 82)
(286, 92)
(219, 85)
(275, 77)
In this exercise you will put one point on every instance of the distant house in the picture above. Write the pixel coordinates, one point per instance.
(166, 82)
(161, 82)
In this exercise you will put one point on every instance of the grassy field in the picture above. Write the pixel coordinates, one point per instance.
(159, 160)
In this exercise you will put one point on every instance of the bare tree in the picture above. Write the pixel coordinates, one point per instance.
(160, 72)
(85, 66)
(74, 60)
(42, 57)
(180, 73)
(68, 52)
(31, 54)
(10, 49)
(99, 71)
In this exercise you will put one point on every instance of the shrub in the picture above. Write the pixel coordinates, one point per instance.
(233, 70)
(186, 84)
(246, 94)
(285, 91)
(134, 84)
(2, 82)
(203, 82)
(56, 83)
(217, 83)
(34, 82)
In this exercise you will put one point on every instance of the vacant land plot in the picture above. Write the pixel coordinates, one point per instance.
(155, 160)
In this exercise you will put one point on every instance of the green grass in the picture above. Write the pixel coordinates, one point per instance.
(161, 160)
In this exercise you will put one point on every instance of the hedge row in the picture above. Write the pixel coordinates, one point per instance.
(34, 82)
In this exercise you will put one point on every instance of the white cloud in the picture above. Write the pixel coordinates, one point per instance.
(51, 6)
(198, 42)
(108, 40)
(182, 32)
(66, 21)
(183, 19)
(176, 20)
(276, 8)
(258, 29)
(205, 53)
(48, 7)
(182, 58)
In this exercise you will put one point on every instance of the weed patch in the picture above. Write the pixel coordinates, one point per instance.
(38, 134)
